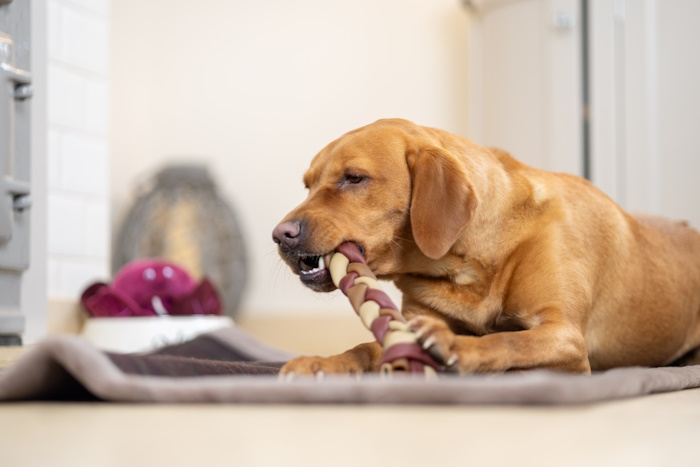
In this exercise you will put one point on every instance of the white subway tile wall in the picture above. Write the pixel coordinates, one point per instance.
(84, 41)
(78, 146)
(67, 219)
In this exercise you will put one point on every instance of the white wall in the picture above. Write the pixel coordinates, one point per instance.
(256, 88)
(78, 149)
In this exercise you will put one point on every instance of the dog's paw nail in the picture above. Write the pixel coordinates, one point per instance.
(452, 360)
(428, 342)
(286, 377)
(418, 333)
(436, 354)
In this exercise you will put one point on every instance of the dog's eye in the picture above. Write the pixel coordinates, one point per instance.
(353, 179)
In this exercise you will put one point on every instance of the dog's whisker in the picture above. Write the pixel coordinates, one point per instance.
(274, 273)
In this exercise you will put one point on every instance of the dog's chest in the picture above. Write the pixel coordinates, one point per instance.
(470, 308)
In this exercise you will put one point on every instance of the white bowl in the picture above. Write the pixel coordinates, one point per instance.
(145, 333)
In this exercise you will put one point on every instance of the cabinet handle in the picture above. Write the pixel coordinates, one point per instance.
(21, 78)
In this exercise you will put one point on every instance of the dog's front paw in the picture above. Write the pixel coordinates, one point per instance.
(319, 366)
(438, 340)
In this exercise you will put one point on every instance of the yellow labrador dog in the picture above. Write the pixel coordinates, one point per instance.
(502, 266)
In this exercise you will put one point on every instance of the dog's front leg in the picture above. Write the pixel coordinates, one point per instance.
(359, 359)
(556, 346)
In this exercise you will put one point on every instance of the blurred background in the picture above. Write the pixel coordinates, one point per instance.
(605, 89)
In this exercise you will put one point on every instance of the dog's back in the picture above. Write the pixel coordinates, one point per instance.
(646, 284)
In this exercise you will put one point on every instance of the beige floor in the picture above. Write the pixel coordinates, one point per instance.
(658, 430)
(655, 430)
(9, 355)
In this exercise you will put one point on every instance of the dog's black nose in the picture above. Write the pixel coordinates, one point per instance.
(287, 234)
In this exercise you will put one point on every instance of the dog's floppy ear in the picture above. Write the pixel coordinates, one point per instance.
(442, 201)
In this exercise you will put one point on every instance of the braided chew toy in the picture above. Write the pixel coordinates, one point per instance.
(353, 277)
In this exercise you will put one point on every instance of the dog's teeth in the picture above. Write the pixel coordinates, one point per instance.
(320, 267)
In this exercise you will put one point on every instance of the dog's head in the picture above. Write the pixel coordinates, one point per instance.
(389, 187)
